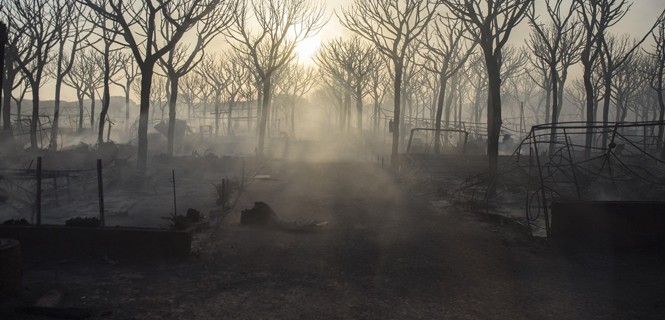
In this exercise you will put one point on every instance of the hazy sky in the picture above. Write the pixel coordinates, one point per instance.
(638, 20)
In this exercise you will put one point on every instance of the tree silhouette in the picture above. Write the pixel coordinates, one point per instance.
(350, 63)
(12, 77)
(183, 58)
(490, 23)
(557, 45)
(41, 22)
(294, 83)
(656, 72)
(138, 22)
(446, 52)
(392, 26)
(268, 36)
(71, 39)
(129, 74)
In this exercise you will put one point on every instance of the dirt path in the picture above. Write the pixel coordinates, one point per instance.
(384, 255)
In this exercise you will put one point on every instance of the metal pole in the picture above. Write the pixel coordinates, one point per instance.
(542, 184)
(38, 200)
(572, 165)
(100, 191)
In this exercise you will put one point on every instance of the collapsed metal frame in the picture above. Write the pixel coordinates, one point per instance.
(439, 131)
(561, 166)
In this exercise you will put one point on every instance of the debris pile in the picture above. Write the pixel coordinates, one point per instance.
(262, 215)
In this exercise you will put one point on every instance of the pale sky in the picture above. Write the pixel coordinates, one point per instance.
(638, 20)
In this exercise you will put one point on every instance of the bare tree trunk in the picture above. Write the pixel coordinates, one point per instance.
(6, 106)
(396, 113)
(446, 118)
(493, 113)
(92, 109)
(590, 111)
(377, 115)
(439, 114)
(3, 72)
(347, 110)
(35, 117)
(607, 98)
(18, 111)
(293, 119)
(230, 119)
(81, 97)
(127, 106)
(53, 145)
(259, 103)
(217, 114)
(146, 85)
(265, 108)
(359, 111)
(173, 99)
(555, 107)
(548, 102)
(106, 99)
(661, 117)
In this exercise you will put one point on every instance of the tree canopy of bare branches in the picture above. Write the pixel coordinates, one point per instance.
(392, 26)
(137, 23)
(490, 24)
(267, 33)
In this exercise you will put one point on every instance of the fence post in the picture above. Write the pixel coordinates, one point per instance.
(38, 200)
(100, 189)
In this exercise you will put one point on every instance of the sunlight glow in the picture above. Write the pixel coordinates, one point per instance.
(307, 49)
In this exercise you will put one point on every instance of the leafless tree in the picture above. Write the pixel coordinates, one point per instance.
(446, 52)
(129, 74)
(541, 76)
(189, 90)
(212, 70)
(138, 22)
(294, 83)
(336, 89)
(236, 76)
(41, 22)
(72, 37)
(392, 26)
(490, 23)
(4, 39)
(351, 63)
(183, 57)
(267, 32)
(334, 62)
(557, 44)
(576, 95)
(615, 53)
(656, 73)
(379, 85)
(111, 64)
(158, 96)
(12, 76)
(109, 59)
(77, 78)
(597, 17)
(22, 86)
(627, 83)
(527, 95)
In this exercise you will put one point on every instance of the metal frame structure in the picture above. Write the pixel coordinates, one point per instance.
(561, 166)
(414, 130)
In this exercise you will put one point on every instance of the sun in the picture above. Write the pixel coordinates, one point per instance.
(307, 49)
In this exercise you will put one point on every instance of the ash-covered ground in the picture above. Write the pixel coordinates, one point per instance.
(386, 253)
